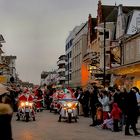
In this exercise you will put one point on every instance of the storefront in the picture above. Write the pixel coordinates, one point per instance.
(126, 75)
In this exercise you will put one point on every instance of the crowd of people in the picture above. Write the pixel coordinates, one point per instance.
(10, 97)
(111, 107)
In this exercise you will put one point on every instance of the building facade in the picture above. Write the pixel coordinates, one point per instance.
(10, 67)
(61, 63)
(124, 47)
(78, 51)
(68, 52)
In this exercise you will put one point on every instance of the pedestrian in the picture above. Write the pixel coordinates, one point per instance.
(131, 112)
(93, 102)
(138, 99)
(116, 115)
(122, 105)
(5, 118)
(104, 100)
(80, 102)
(85, 103)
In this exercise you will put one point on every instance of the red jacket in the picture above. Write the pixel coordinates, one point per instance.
(23, 97)
(116, 112)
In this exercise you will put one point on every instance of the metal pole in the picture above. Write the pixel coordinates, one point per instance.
(104, 74)
(68, 69)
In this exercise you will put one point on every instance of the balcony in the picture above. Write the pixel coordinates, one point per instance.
(61, 70)
(62, 78)
(70, 71)
(61, 62)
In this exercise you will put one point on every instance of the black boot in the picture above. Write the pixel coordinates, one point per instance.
(127, 133)
(137, 133)
(135, 130)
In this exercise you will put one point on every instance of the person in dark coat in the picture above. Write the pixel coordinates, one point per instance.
(85, 103)
(131, 112)
(93, 102)
(5, 119)
(122, 105)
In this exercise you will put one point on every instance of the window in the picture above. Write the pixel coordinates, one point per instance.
(70, 65)
(66, 47)
(107, 34)
(70, 77)
(70, 42)
(70, 55)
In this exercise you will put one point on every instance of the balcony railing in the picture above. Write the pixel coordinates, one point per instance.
(62, 78)
(61, 62)
(61, 70)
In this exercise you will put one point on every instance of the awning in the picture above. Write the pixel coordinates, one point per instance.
(126, 69)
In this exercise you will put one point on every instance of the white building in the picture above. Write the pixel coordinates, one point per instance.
(68, 52)
(61, 63)
(49, 78)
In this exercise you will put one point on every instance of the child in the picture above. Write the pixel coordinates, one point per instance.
(108, 124)
(99, 115)
(116, 115)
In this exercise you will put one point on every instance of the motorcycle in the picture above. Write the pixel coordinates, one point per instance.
(55, 106)
(68, 110)
(26, 111)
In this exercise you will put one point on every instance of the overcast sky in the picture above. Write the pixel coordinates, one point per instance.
(35, 30)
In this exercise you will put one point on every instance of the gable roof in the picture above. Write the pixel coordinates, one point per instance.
(110, 12)
(127, 9)
(106, 10)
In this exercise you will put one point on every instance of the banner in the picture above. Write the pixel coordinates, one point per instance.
(115, 56)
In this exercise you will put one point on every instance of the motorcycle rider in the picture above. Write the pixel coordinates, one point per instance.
(26, 96)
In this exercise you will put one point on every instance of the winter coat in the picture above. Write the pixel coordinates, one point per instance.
(5, 121)
(94, 100)
(132, 107)
(105, 103)
(123, 101)
(116, 112)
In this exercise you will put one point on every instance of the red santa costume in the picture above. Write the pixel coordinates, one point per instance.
(26, 96)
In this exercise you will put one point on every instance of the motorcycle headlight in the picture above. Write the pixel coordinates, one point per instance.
(69, 104)
(27, 103)
(22, 104)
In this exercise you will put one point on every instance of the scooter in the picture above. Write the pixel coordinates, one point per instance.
(26, 111)
(68, 110)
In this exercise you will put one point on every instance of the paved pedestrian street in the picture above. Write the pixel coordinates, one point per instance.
(46, 127)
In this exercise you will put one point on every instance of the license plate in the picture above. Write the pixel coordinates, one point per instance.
(69, 110)
(27, 110)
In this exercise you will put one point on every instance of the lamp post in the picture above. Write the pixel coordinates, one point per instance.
(67, 59)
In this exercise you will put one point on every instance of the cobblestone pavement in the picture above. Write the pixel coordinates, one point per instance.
(46, 127)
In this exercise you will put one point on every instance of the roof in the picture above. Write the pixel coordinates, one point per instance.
(106, 10)
(110, 12)
(2, 39)
(127, 9)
